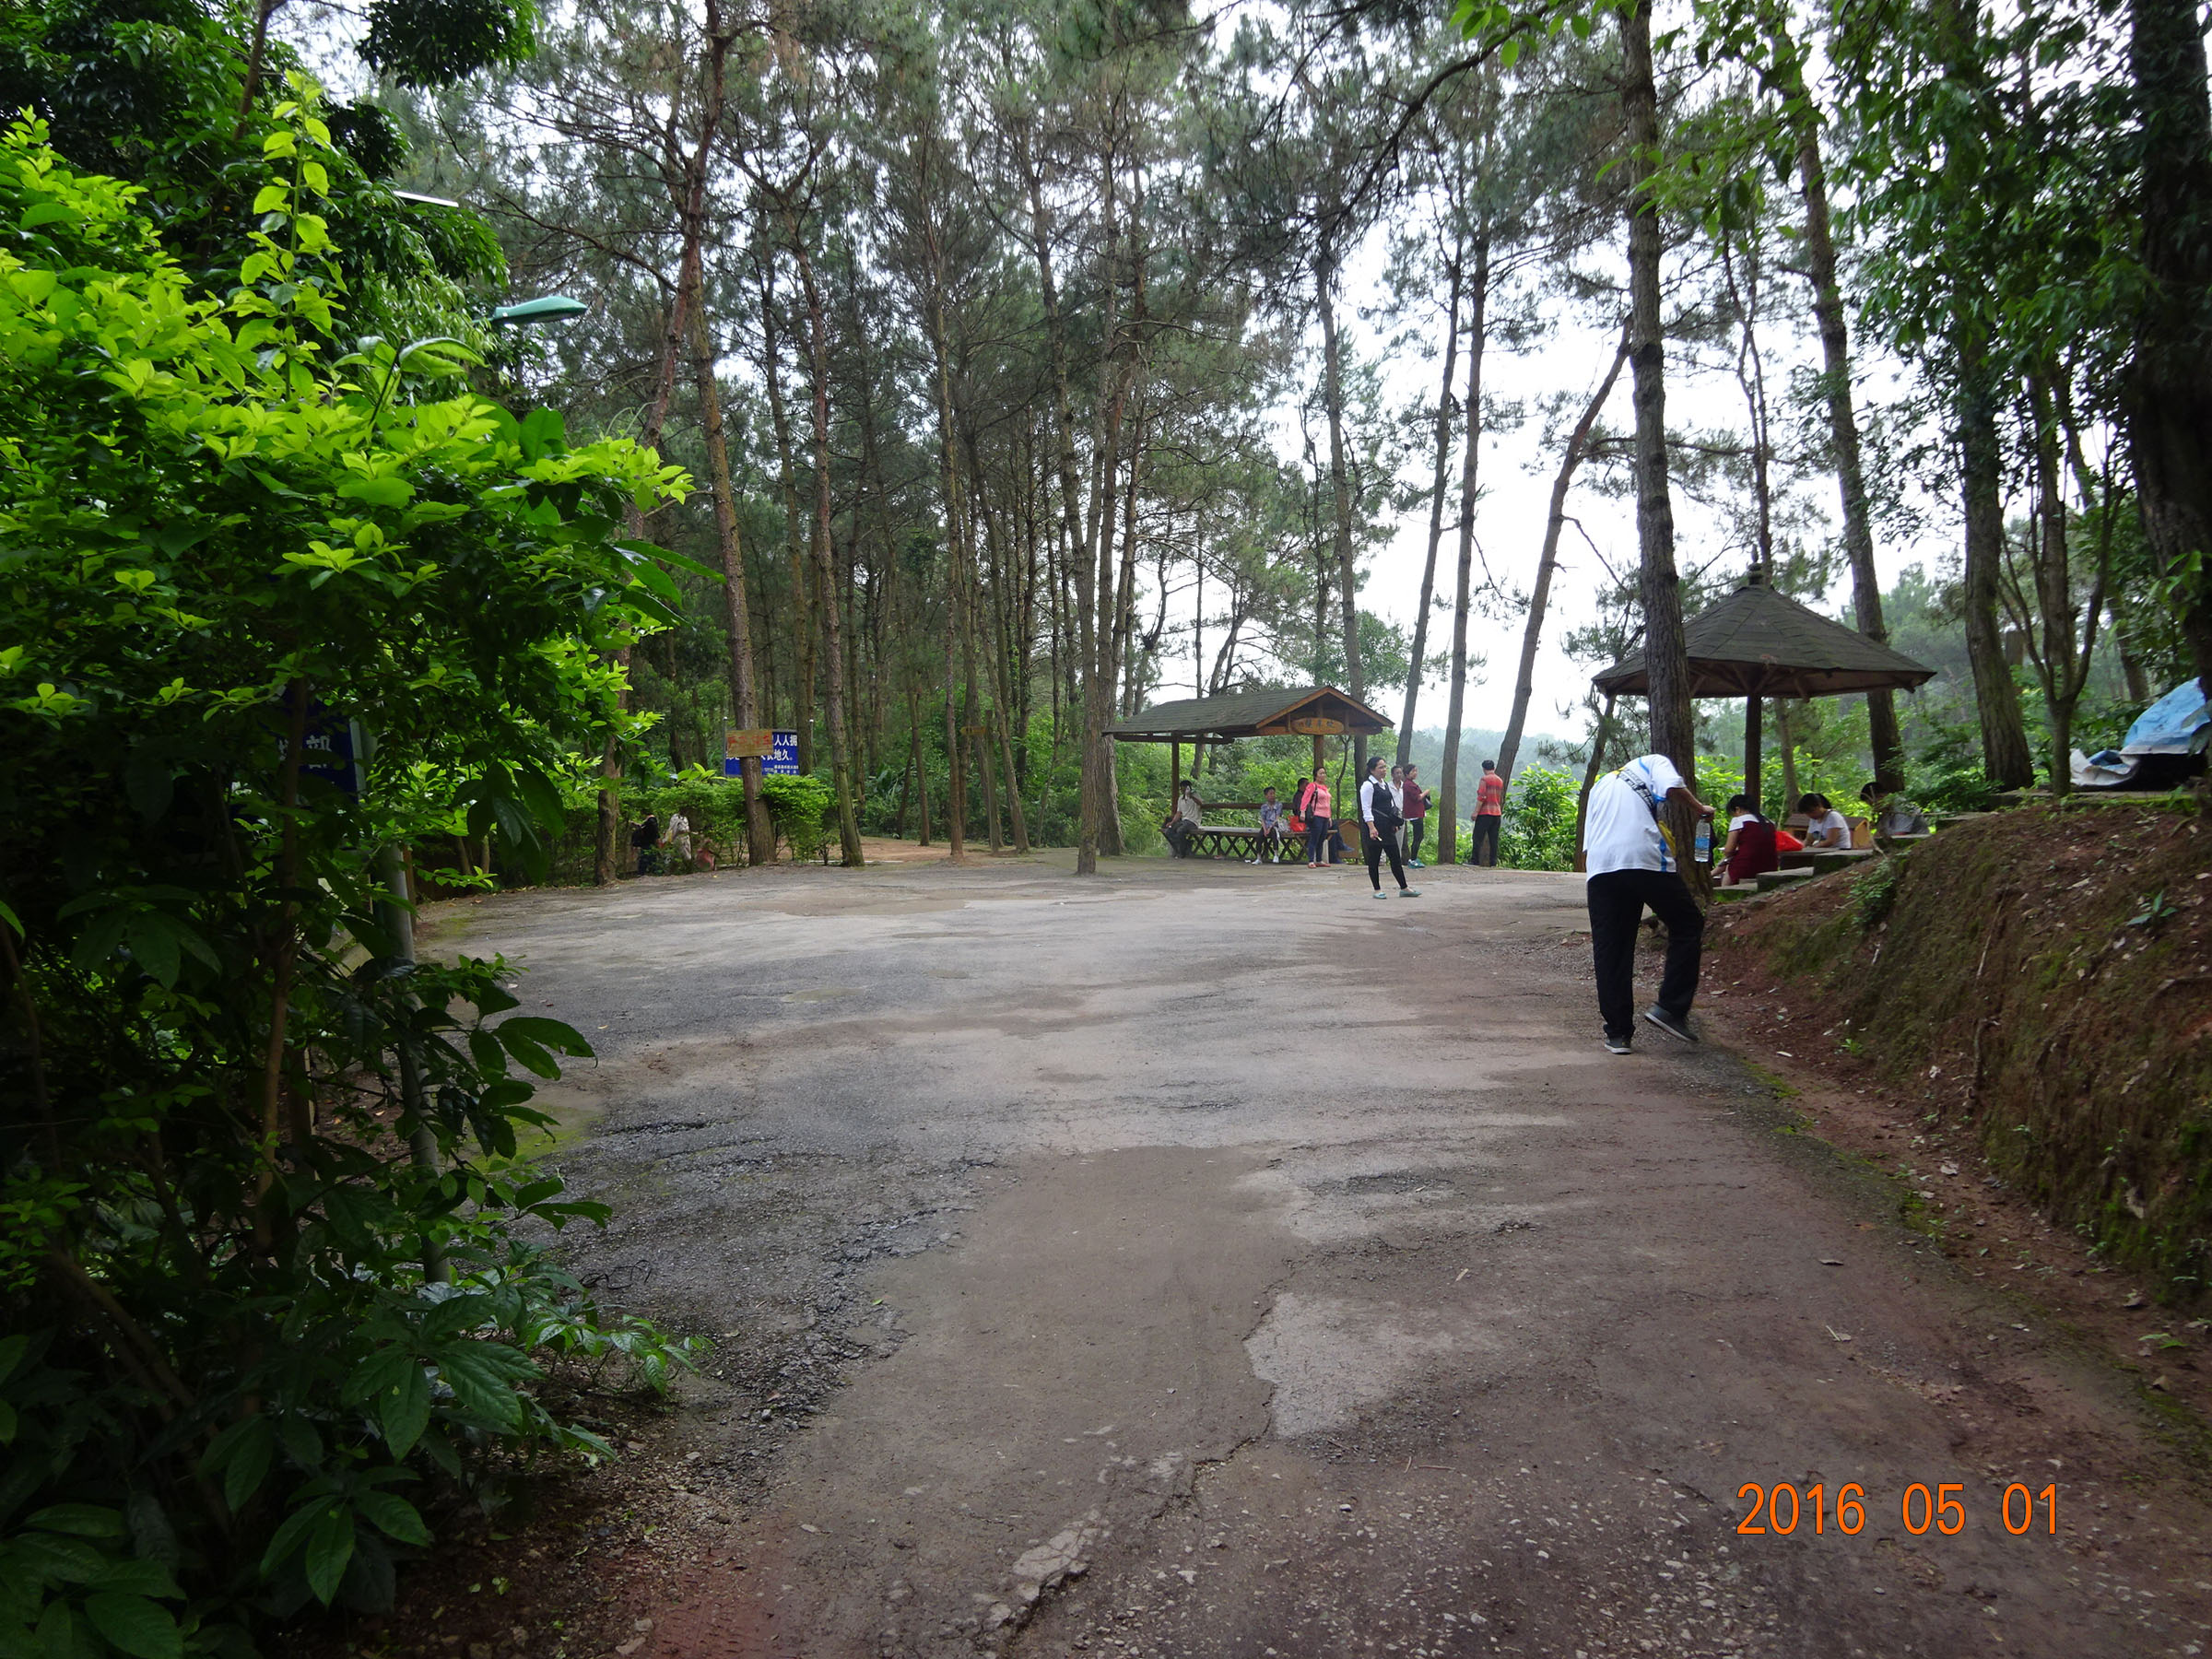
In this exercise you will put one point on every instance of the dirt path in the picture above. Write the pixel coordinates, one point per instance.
(1211, 1260)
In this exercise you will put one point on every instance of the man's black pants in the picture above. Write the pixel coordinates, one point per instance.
(1617, 901)
(1486, 834)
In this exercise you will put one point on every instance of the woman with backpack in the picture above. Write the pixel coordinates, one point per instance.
(1313, 806)
(1382, 818)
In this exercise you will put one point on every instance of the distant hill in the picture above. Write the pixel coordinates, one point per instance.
(1474, 748)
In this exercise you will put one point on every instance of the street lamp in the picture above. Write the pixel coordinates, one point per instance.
(552, 308)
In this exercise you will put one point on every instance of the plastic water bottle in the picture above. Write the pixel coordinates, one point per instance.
(1704, 841)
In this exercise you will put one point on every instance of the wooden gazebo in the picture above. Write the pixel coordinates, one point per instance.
(1758, 643)
(1315, 711)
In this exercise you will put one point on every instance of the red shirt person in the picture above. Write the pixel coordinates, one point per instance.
(1489, 812)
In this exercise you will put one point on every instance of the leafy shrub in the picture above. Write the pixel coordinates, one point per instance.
(800, 809)
(1943, 774)
(261, 1287)
(1538, 830)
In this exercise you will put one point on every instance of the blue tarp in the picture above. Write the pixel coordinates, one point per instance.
(2169, 724)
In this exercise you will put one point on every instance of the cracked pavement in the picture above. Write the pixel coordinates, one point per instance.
(1206, 1260)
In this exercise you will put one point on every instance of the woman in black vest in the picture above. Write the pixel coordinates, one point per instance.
(1381, 820)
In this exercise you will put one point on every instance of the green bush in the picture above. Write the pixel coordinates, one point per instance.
(262, 1301)
(1537, 831)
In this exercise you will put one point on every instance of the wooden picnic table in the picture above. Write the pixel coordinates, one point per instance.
(1232, 840)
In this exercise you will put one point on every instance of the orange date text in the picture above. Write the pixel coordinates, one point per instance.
(1787, 1509)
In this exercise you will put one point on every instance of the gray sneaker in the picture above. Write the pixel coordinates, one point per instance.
(1618, 1046)
(1674, 1024)
(1380, 894)
(1409, 892)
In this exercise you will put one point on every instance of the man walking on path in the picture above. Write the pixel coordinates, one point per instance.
(1414, 800)
(1379, 817)
(1489, 812)
(1631, 864)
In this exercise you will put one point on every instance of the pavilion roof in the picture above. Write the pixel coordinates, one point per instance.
(1757, 642)
(1264, 714)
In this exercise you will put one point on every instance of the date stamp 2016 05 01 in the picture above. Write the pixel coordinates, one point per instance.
(1784, 1509)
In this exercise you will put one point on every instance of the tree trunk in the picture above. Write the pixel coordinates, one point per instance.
(1001, 676)
(1673, 727)
(1842, 417)
(2169, 382)
(1078, 564)
(913, 713)
(1540, 594)
(760, 835)
(802, 599)
(1436, 515)
(2005, 758)
(1787, 741)
(1470, 466)
(834, 630)
(1340, 484)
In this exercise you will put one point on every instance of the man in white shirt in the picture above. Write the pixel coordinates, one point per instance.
(1630, 865)
(1184, 822)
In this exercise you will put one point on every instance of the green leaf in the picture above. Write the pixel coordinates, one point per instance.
(46, 213)
(483, 1377)
(153, 941)
(404, 1409)
(380, 1372)
(7, 1424)
(484, 1048)
(288, 1535)
(243, 1453)
(393, 1516)
(65, 1560)
(136, 1626)
(139, 1578)
(470, 1311)
(542, 430)
(644, 550)
(529, 1054)
(301, 1444)
(329, 1548)
(81, 1520)
(387, 491)
(552, 1033)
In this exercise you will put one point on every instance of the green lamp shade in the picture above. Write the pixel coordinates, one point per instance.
(550, 308)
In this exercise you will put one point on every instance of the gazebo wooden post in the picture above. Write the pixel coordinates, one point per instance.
(1317, 754)
(1754, 715)
(1174, 773)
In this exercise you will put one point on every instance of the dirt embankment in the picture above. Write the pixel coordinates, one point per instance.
(2040, 982)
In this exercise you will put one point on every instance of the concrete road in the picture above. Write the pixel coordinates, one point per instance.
(1214, 1260)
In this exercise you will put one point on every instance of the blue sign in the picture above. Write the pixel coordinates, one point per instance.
(781, 761)
(333, 750)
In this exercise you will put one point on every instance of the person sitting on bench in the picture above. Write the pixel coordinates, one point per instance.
(1271, 829)
(1751, 848)
(1181, 828)
(1826, 829)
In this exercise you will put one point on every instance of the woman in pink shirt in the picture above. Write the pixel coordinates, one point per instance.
(1314, 807)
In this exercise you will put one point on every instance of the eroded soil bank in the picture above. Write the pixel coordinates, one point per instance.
(2038, 985)
(1102, 1266)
